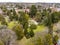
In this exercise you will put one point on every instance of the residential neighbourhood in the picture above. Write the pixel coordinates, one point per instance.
(29, 23)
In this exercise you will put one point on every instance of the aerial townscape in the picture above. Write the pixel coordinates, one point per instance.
(29, 23)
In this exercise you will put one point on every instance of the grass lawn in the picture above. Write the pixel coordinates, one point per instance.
(39, 28)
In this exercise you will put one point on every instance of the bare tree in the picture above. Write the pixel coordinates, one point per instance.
(7, 36)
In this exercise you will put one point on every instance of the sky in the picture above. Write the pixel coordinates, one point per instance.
(32, 1)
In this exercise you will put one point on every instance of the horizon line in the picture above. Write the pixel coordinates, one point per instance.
(29, 2)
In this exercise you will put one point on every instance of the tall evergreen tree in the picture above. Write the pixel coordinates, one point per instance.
(33, 11)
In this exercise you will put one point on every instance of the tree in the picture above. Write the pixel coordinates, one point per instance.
(15, 16)
(3, 22)
(38, 17)
(50, 19)
(33, 26)
(59, 14)
(11, 17)
(31, 31)
(4, 9)
(49, 10)
(2, 19)
(12, 14)
(33, 11)
(44, 14)
(8, 12)
(19, 6)
(48, 40)
(39, 41)
(7, 36)
(19, 31)
(55, 39)
(23, 19)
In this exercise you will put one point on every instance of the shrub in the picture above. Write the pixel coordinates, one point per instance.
(48, 40)
(55, 39)
(7, 36)
(19, 31)
(39, 41)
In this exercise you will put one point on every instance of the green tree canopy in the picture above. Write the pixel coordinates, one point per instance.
(50, 19)
(19, 31)
(2, 19)
(38, 17)
(48, 40)
(33, 11)
(55, 39)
